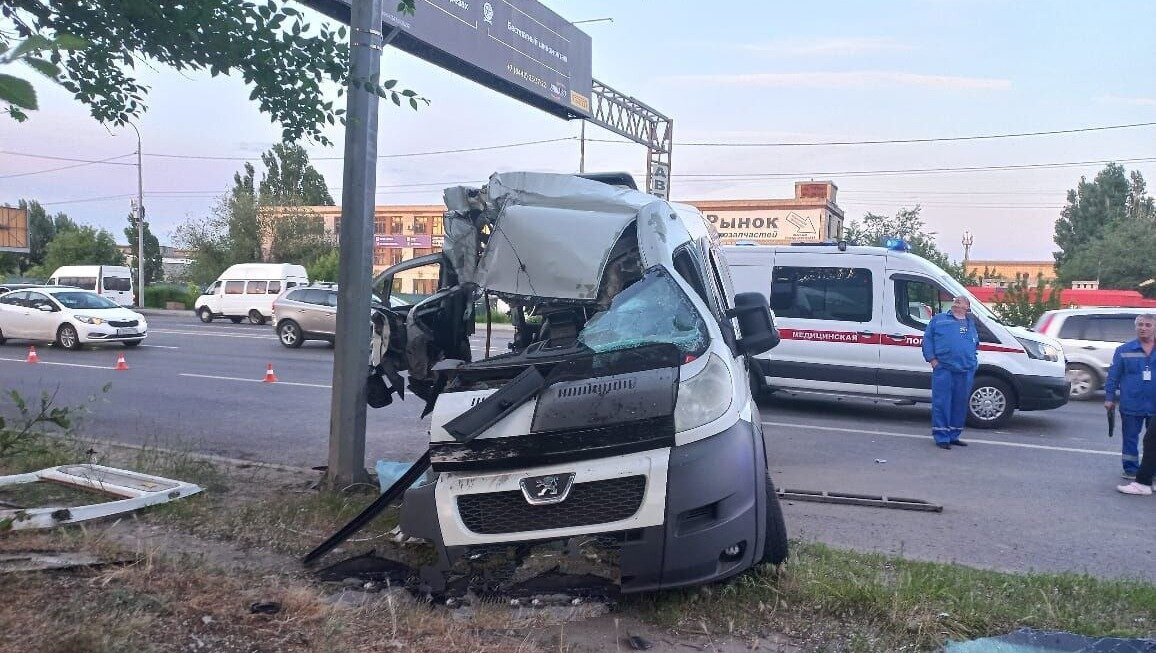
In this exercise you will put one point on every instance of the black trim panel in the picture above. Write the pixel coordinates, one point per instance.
(1041, 392)
(818, 372)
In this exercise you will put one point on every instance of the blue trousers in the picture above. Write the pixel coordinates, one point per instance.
(950, 390)
(1130, 441)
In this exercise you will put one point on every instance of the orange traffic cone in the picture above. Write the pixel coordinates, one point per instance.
(32, 357)
(270, 377)
(120, 363)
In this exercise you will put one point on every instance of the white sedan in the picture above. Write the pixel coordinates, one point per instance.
(69, 316)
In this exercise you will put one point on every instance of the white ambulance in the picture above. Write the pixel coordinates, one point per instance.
(852, 320)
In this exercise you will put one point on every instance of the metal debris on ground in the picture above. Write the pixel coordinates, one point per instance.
(1028, 640)
(135, 490)
(849, 499)
(16, 562)
(265, 607)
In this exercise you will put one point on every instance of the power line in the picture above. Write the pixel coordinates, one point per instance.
(899, 141)
(380, 156)
(65, 158)
(75, 165)
(903, 171)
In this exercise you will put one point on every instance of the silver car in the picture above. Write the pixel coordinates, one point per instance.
(1089, 337)
(310, 313)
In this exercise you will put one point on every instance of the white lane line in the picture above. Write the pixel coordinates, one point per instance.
(94, 367)
(160, 347)
(233, 378)
(214, 335)
(969, 440)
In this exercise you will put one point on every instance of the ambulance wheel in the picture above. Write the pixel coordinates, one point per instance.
(990, 404)
(775, 547)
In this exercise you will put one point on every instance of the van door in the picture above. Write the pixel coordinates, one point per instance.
(829, 319)
(233, 298)
(116, 288)
(911, 301)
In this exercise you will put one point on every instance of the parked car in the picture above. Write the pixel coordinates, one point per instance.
(71, 317)
(1089, 337)
(9, 287)
(310, 313)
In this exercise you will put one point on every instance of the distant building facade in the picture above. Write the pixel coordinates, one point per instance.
(1001, 274)
(812, 215)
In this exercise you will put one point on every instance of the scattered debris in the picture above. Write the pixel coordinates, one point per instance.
(639, 643)
(138, 491)
(46, 560)
(1040, 641)
(849, 499)
(880, 461)
(265, 607)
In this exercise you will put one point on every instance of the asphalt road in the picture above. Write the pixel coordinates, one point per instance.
(1038, 494)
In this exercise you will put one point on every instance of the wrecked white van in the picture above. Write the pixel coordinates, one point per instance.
(622, 409)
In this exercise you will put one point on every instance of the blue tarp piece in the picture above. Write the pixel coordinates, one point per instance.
(389, 471)
(1027, 640)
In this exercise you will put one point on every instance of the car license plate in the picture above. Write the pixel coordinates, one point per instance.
(126, 332)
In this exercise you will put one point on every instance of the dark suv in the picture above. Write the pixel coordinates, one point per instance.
(309, 313)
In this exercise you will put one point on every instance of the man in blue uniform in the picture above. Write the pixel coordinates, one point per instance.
(950, 343)
(1131, 376)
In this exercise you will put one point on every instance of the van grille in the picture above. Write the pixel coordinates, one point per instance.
(595, 502)
(120, 324)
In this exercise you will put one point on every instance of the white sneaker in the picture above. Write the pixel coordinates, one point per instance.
(1134, 488)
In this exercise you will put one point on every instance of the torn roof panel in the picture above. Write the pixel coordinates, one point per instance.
(564, 191)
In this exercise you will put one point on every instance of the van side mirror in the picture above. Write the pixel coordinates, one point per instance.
(755, 323)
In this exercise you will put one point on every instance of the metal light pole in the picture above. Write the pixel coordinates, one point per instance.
(140, 213)
(967, 241)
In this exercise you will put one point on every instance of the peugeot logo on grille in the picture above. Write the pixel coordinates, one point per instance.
(543, 490)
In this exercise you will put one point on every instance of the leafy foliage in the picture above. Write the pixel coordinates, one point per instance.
(154, 261)
(285, 61)
(291, 179)
(17, 93)
(80, 246)
(325, 267)
(1107, 231)
(25, 436)
(907, 224)
(1022, 305)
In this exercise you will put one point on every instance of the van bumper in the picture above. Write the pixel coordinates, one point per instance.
(1042, 392)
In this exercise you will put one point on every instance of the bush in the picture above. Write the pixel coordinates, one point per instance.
(157, 295)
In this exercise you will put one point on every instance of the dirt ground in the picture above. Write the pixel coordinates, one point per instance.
(221, 571)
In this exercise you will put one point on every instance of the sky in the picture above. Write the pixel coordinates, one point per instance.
(730, 72)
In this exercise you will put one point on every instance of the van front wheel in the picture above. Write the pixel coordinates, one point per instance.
(255, 317)
(205, 314)
(990, 404)
(775, 547)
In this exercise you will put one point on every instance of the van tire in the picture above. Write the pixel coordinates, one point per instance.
(990, 404)
(289, 333)
(2, 338)
(775, 546)
(236, 320)
(255, 317)
(1085, 382)
(205, 314)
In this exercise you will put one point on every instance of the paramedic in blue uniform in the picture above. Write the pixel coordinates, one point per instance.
(1130, 375)
(950, 343)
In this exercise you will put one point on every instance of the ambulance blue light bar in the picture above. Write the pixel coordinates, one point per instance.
(897, 245)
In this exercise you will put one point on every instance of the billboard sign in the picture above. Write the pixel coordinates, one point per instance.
(768, 227)
(13, 230)
(517, 47)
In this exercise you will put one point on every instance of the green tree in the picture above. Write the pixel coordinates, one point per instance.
(207, 241)
(1091, 207)
(324, 267)
(154, 261)
(907, 224)
(17, 93)
(298, 236)
(1121, 258)
(1022, 305)
(291, 179)
(269, 44)
(81, 246)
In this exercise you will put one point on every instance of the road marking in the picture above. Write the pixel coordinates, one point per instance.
(970, 440)
(160, 347)
(233, 378)
(94, 367)
(214, 335)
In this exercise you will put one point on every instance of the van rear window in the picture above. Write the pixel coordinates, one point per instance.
(122, 284)
(257, 287)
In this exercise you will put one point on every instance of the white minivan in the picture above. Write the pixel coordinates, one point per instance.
(247, 290)
(113, 282)
(852, 320)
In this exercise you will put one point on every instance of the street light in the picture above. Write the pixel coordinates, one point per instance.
(967, 241)
(140, 213)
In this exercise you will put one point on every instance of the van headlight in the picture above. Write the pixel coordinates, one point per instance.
(1040, 350)
(88, 319)
(703, 397)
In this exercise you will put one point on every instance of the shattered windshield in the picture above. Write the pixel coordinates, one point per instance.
(652, 310)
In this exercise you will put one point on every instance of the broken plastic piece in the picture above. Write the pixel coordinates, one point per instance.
(138, 491)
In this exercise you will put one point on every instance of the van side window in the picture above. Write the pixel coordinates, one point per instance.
(722, 277)
(234, 287)
(820, 293)
(685, 266)
(917, 302)
(85, 283)
(256, 287)
(274, 288)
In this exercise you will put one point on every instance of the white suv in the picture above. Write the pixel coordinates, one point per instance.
(1089, 337)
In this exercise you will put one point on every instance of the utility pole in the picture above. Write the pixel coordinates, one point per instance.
(582, 149)
(967, 241)
(351, 355)
(140, 215)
